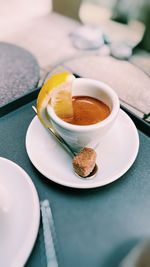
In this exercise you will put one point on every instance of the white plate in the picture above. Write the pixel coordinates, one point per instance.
(19, 214)
(138, 256)
(114, 156)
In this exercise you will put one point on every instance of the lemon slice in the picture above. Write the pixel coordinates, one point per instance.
(57, 91)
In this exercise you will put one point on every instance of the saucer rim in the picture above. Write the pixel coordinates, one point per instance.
(78, 185)
(25, 250)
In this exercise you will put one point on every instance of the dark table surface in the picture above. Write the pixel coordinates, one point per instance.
(94, 227)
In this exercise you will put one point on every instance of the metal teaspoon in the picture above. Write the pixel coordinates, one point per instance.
(68, 149)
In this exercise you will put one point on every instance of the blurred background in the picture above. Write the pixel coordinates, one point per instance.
(108, 40)
(135, 14)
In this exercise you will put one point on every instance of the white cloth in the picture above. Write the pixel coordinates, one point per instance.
(16, 14)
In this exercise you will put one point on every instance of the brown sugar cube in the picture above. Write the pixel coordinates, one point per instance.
(84, 162)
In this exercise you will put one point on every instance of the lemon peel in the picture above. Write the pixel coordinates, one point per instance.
(57, 92)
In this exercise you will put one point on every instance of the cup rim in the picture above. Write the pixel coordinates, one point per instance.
(91, 127)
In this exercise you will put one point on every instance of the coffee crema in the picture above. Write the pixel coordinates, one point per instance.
(87, 111)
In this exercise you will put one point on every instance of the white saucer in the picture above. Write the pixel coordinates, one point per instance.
(114, 156)
(19, 214)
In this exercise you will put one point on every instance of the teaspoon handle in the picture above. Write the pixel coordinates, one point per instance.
(58, 138)
(62, 142)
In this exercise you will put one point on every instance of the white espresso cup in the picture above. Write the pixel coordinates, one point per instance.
(78, 136)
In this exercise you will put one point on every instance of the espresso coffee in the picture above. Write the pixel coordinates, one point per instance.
(88, 110)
